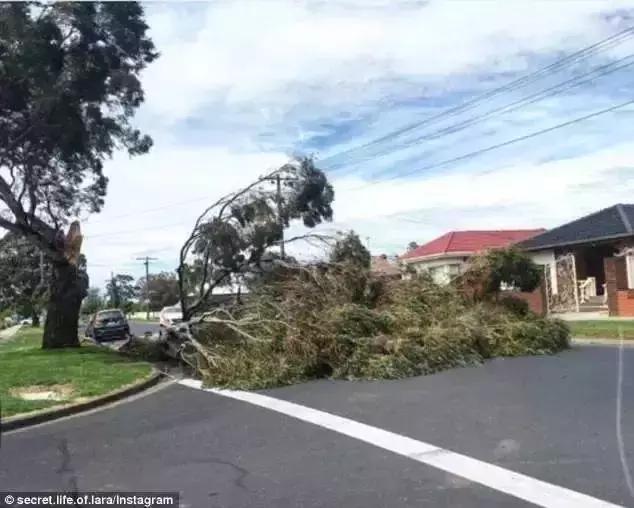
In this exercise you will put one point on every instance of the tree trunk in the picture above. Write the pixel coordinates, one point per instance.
(67, 290)
(35, 318)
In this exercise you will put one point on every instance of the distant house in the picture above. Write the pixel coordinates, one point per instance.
(589, 262)
(446, 256)
(385, 266)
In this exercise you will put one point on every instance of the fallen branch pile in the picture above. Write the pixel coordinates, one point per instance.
(336, 320)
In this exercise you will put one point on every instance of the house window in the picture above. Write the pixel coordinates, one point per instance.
(454, 269)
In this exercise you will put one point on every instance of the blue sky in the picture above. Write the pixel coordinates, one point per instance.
(242, 85)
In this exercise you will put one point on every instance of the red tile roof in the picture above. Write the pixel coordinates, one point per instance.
(471, 242)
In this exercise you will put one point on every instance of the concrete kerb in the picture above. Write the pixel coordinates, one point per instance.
(586, 341)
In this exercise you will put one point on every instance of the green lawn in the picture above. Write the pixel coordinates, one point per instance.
(604, 329)
(87, 371)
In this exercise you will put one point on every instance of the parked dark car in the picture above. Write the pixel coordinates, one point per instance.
(110, 324)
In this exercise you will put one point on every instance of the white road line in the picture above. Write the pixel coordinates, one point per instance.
(514, 484)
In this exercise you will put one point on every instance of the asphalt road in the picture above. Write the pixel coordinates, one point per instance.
(552, 418)
(140, 327)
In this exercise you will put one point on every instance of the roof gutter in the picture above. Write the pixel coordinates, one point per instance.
(577, 242)
(444, 255)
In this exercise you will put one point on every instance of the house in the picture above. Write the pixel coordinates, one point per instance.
(385, 266)
(589, 262)
(446, 256)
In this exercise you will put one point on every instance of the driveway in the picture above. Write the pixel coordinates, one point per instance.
(553, 419)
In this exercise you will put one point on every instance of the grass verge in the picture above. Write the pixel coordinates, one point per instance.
(84, 372)
(602, 329)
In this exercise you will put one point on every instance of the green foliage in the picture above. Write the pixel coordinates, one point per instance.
(486, 274)
(513, 268)
(93, 302)
(120, 290)
(515, 305)
(234, 237)
(24, 276)
(69, 81)
(310, 323)
(350, 249)
(162, 290)
(5, 314)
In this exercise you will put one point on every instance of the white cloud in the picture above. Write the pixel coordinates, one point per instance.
(154, 200)
(273, 51)
(518, 196)
(240, 68)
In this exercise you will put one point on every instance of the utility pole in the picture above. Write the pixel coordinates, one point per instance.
(278, 181)
(278, 199)
(146, 261)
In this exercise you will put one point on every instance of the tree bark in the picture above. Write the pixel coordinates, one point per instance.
(67, 290)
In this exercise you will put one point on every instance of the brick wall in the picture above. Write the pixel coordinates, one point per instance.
(620, 299)
(625, 303)
(536, 299)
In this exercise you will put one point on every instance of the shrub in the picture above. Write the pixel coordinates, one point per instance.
(515, 305)
(486, 273)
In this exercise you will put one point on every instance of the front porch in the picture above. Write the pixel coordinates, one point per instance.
(593, 279)
(588, 263)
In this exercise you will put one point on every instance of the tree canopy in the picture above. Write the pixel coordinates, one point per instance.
(242, 231)
(486, 274)
(69, 86)
(350, 249)
(93, 301)
(162, 290)
(512, 268)
(121, 290)
(23, 277)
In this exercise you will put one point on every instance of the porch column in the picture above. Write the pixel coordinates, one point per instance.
(611, 285)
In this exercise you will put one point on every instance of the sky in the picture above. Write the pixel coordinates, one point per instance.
(241, 86)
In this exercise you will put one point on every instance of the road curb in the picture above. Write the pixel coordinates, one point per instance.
(46, 415)
(583, 341)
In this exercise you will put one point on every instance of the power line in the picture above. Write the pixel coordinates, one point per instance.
(137, 230)
(441, 163)
(552, 91)
(595, 48)
(148, 210)
(498, 145)
(445, 162)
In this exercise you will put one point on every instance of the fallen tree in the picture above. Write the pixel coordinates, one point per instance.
(239, 236)
(336, 320)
